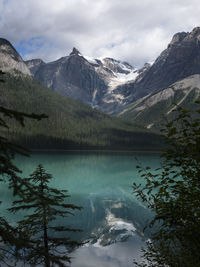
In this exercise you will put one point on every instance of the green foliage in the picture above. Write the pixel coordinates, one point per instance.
(172, 192)
(47, 243)
(7, 148)
(11, 238)
(24, 242)
(71, 125)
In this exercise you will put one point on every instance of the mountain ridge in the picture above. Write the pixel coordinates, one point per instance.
(71, 124)
(179, 60)
(116, 87)
(10, 59)
(109, 84)
(154, 109)
(91, 81)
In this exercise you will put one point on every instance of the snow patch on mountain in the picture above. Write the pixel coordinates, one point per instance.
(116, 72)
(91, 60)
(122, 78)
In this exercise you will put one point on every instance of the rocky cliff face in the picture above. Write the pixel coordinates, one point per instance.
(71, 76)
(10, 60)
(180, 60)
(91, 81)
(34, 65)
(149, 110)
(109, 84)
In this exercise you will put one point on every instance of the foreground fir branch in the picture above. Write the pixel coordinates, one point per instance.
(48, 244)
(9, 149)
(12, 239)
(172, 192)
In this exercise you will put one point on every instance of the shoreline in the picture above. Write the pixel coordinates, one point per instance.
(95, 150)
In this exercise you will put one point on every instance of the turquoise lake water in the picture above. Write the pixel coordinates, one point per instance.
(112, 218)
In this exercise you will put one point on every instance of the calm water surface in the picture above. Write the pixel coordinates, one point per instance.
(112, 218)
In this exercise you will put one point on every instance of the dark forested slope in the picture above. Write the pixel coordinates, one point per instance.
(71, 125)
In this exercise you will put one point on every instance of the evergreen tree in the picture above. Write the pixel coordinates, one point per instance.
(11, 238)
(8, 149)
(45, 204)
(172, 192)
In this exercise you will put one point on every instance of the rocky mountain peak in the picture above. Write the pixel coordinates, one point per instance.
(117, 66)
(75, 52)
(177, 38)
(181, 59)
(195, 33)
(180, 37)
(10, 60)
(107, 83)
(36, 61)
(7, 48)
(34, 64)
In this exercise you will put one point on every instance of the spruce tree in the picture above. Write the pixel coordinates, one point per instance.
(11, 238)
(8, 149)
(45, 204)
(172, 192)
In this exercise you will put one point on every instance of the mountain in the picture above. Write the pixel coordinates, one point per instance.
(71, 124)
(140, 96)
(109, 85)
(172, 80)
(34, 65)
(180, 60)
(91, 81)
(10, 60)
(152, 110)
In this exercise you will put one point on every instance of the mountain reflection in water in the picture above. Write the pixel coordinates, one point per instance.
(112, 218)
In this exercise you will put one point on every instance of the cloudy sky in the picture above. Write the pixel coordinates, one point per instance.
(132, 30)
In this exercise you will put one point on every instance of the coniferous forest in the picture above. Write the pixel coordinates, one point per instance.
(70, 124)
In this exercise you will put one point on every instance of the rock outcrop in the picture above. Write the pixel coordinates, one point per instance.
(180, 60)
(152, 110)
(34, 65)
(71, 76)
(110, 85)
(10, 60)
(91, 81)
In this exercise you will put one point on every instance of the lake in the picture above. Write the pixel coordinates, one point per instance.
(112, 218)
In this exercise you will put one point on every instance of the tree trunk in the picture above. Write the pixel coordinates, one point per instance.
(45, 239)
(45, 236)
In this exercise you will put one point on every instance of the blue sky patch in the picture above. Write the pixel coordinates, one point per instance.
(30, 46)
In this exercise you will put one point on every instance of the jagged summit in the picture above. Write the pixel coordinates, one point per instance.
(177, 38)
(109, 84)
(195, 32)
(75, 52)
(7, 48)
(34, 64)
(89, 80)
(185, 36)
(10, 60)
(180, 60)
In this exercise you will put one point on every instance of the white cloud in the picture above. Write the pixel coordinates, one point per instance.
(135, 31)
